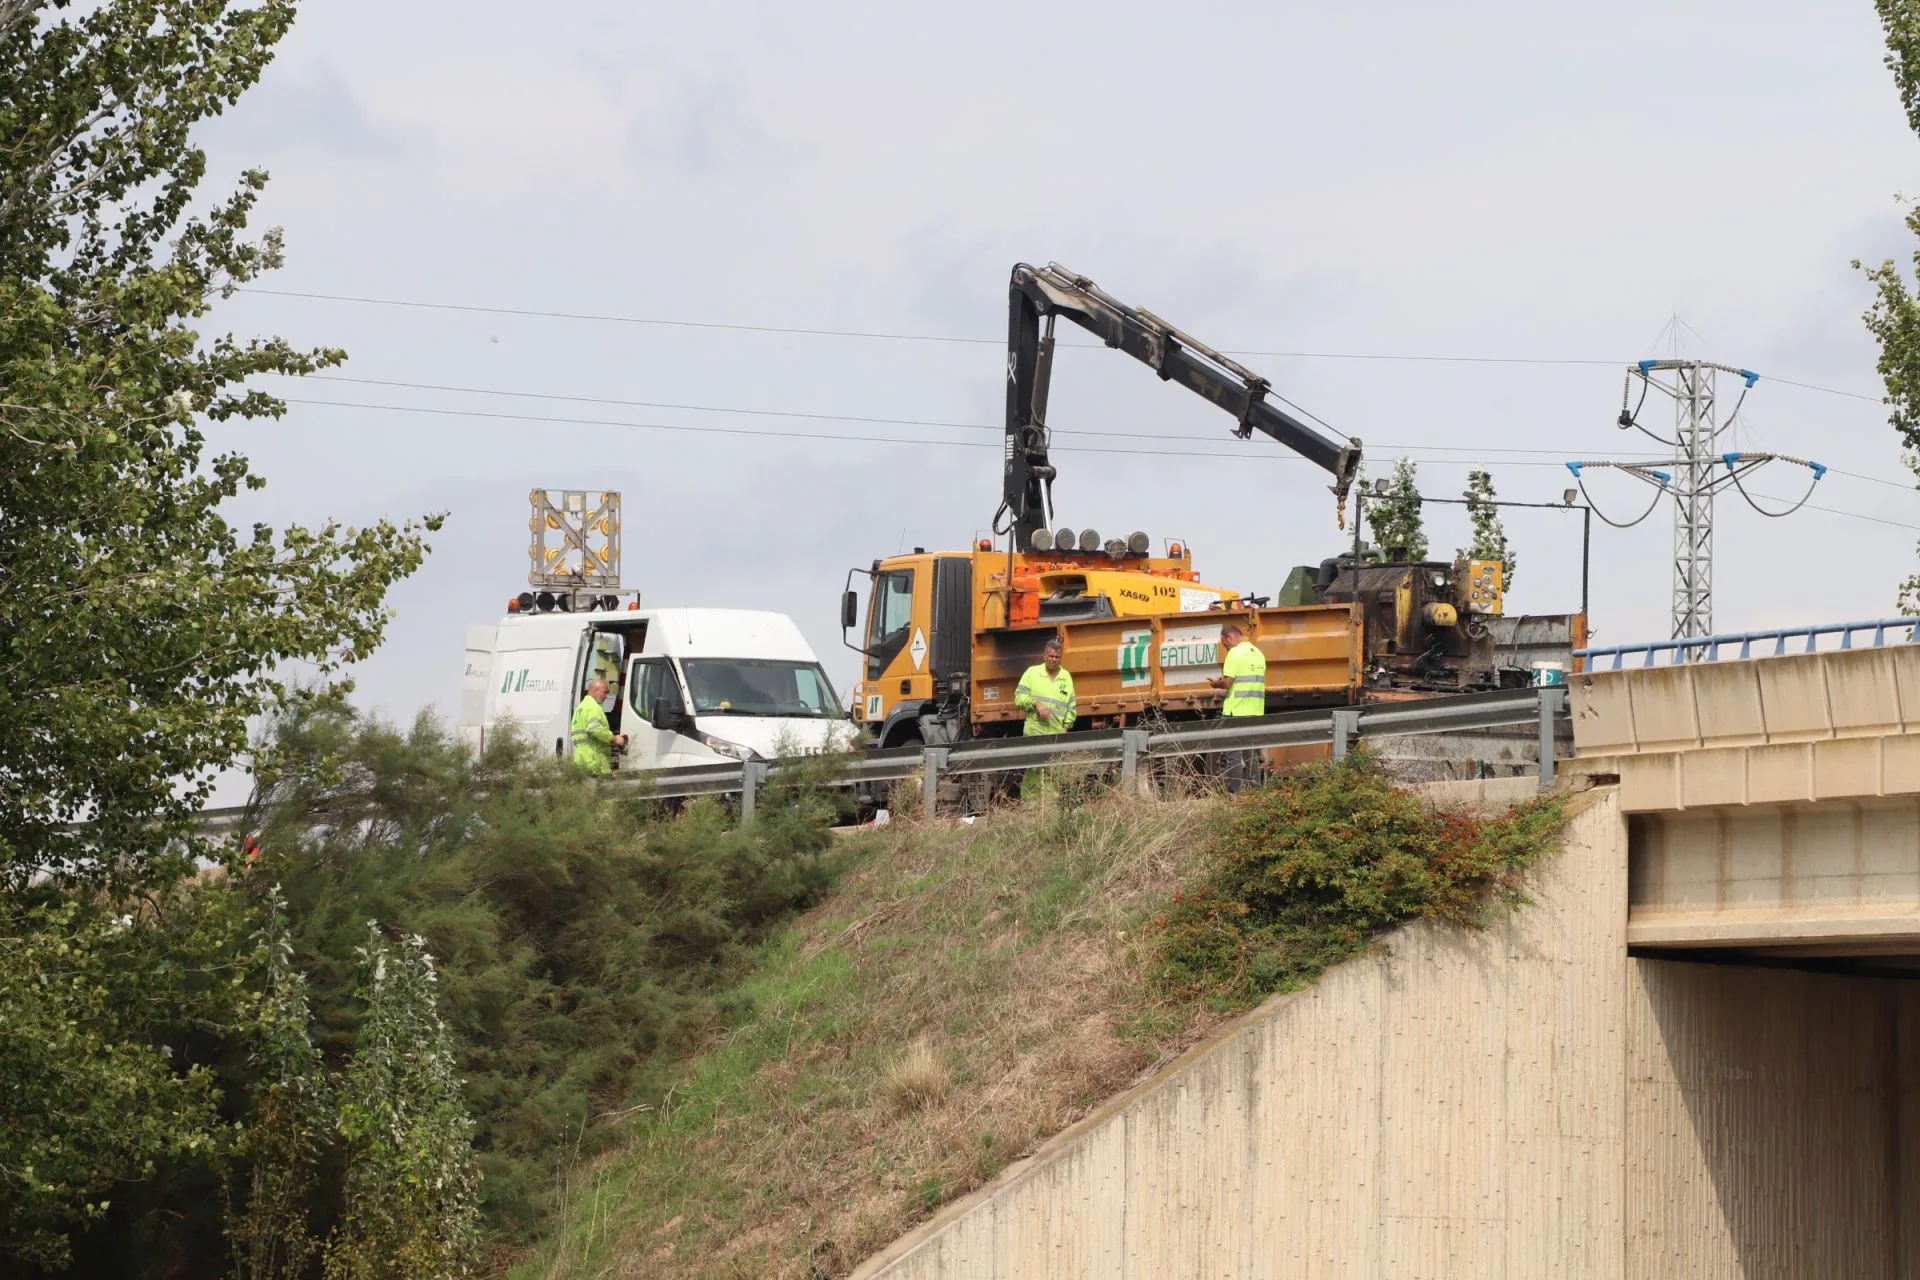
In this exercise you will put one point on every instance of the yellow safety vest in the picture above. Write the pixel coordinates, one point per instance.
(1246, 666)
(1055, 693)
(592, 738)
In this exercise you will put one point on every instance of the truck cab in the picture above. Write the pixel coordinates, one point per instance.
(688, 686)
(922, 650)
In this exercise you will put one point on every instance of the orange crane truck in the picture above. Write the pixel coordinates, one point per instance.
(948, 634)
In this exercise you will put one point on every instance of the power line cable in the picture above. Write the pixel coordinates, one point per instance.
(961, 444)
(1832, 391)
(891, 336)
(949, 424)
(1741, 486)
(1605, 519)
(816, 435)
(866, 419)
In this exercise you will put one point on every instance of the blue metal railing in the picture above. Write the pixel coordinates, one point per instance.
(1707, 648)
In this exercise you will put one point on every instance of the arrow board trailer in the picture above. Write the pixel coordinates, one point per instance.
(689, 686)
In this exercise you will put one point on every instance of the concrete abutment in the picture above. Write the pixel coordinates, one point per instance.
(1551, 1096)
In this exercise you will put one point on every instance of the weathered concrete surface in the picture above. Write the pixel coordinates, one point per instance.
(1775, 801)
(1809, 874)
(1783, 773)
(1796, 698)
(1523, 1102)
(1773, 1123)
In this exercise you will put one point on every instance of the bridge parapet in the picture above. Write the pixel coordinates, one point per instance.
(1773, 730)
(1774, 802)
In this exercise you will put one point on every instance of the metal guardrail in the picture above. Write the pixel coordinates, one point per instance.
(1707, 648)
(1342, 726)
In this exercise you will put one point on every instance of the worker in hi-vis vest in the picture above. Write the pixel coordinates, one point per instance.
(1046, 695)
(593, 738)
(1243, 674)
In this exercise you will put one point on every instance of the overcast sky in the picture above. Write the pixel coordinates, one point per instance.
(1501, 181)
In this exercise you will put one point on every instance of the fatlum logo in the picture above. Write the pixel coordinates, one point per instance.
(1134, 647)
(516, 682)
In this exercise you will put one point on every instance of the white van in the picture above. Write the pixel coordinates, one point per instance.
(690, 686)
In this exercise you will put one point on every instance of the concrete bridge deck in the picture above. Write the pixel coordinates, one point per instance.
(1773, 804)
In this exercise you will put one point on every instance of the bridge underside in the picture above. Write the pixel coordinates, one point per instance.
(1830, 884)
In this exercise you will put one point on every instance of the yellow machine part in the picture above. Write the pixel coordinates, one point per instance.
(1135, 587)
(1131, 593)
(1486, 586)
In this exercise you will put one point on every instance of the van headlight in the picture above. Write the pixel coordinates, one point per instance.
(725, 748)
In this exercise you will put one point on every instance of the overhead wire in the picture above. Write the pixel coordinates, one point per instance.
(1775, 515)
(812, 435)
(894, 336)
(865, 419)
(1617, 524)
(970, 444)
(1491, 450)
(1633, 419)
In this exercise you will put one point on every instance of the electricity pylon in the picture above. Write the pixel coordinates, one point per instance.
(1700, 469)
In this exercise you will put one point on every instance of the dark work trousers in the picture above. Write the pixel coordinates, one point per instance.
(1241, 769)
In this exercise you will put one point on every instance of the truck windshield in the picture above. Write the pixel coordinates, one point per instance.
(758, 687)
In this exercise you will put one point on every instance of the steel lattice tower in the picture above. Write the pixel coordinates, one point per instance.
(1698, 471)
(1695, 430)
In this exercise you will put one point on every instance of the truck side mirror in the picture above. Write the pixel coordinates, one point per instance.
(849, 610)
(665, 715)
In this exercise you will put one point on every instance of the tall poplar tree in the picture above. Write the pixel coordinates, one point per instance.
(139, 628)
(1894, 317)
(1394, 518)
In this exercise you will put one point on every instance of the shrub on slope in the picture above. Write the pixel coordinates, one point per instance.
(1300, 875)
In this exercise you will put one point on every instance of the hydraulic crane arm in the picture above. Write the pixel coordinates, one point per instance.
(1053, 290)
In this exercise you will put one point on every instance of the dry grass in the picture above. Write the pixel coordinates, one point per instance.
(918, 1079)
(969, 991)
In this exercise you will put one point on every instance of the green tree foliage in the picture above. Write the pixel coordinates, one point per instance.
(99, 1088)
(1303, 874)
(1489, 536)
(582, 938)
(292, 1106)
(1394, 518)
(138, 628)
(412, 1188)
(1894, 317)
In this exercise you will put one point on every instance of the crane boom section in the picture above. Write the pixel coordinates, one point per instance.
(1045, 292)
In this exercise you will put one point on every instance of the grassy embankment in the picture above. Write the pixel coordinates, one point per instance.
(969, 990)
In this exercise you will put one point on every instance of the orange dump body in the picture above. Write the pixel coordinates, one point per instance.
(1124, 667)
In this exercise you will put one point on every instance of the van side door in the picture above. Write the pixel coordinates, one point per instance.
(651, 680)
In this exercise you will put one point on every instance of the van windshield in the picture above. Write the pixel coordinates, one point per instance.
(758, 687)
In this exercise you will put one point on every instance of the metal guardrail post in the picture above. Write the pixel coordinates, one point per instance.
(753, 777)
(1133, 745)
(933, 760)
(1553, 701)
(1346, 727)
(1508, 707)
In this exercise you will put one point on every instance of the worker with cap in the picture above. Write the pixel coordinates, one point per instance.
(593, 738)
(1046, 694)
(1243, 674)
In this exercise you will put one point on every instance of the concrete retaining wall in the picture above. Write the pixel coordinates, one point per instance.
(1772, 1125)
(1521, 1102)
